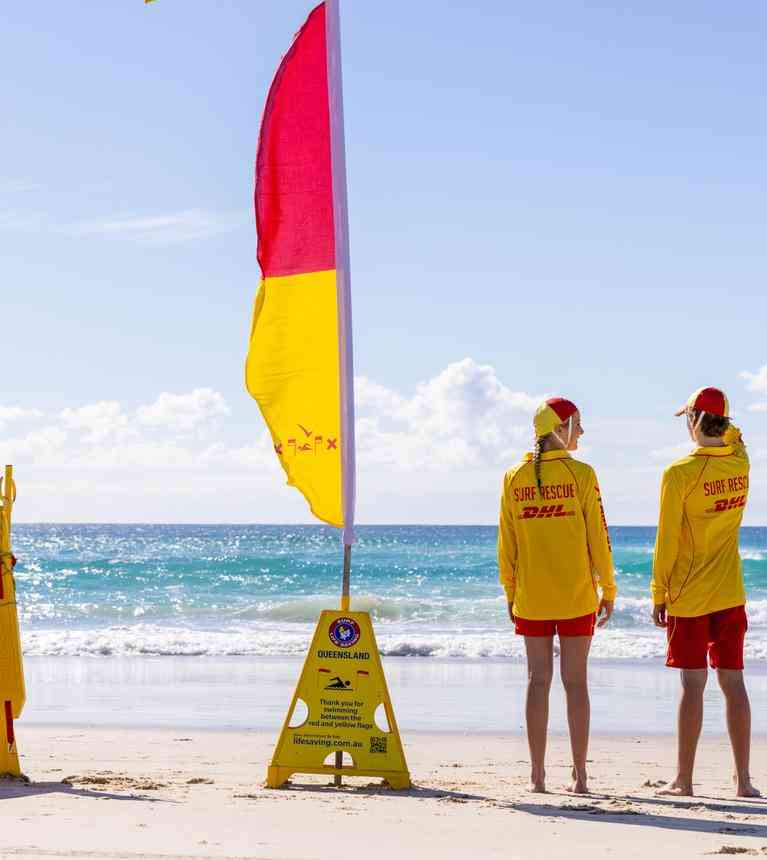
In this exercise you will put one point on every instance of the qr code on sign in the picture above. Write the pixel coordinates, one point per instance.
(378, 745)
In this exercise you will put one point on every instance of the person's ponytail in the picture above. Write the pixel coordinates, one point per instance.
(537, 460)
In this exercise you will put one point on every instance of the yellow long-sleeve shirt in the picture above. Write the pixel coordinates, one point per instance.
(696, 567)
(553, 546)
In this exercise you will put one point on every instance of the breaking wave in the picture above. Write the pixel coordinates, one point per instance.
(256, 591)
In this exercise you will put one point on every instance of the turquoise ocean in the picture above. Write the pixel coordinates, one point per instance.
(238, 590)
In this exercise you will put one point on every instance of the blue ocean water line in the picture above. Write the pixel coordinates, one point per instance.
(250, 589)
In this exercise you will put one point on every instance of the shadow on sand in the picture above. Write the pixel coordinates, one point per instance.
(607, 809)
(418, 792)
(11, 789)
(589, 811)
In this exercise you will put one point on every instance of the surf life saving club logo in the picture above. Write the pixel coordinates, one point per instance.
(344, 632)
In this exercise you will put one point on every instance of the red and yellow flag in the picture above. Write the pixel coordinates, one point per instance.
(298, 367)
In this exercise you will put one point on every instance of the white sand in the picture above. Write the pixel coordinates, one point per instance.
(147, 793)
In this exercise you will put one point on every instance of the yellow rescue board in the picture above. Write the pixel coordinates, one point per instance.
(12, 689)
(342, 684)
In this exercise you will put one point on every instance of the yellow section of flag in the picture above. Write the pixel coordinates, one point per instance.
(292, 370)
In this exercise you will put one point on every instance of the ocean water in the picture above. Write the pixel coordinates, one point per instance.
(225, 591)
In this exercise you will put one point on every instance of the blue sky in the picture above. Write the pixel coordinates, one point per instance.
(568, 198)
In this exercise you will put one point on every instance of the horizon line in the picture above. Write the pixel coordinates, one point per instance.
(299, 525)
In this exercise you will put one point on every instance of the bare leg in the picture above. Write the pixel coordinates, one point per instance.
(690, 722)
(540, 668)
(573, 666)
(739, 727)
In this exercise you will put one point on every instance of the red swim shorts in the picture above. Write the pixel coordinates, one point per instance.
(582, 626)
(718, 636)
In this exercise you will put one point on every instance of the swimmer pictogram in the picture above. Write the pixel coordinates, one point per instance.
(338, 684)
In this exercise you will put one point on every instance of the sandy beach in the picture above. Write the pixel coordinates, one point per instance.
(159, 793)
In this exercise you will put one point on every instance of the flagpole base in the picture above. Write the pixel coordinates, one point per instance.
(277, 776)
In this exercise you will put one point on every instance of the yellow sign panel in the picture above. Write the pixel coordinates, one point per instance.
(12, 689)
(342, 685)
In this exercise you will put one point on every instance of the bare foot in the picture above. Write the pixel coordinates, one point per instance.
(745, 788)
(579, 785)
(678, 788)
(538, 782)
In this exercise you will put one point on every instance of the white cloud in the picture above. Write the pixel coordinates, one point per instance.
(103, 436)
(435, 453)
(463, 416)
(41, 446)
(9, 414)
(462, 427)
(184, 412)
(755, 381)
(103, 421)
(185, 226)
(371, 395)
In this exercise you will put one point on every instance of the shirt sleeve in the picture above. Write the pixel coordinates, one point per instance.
(507, 547)
(667, 538)
(598, 537)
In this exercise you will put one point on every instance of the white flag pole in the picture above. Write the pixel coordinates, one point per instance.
(343, 282)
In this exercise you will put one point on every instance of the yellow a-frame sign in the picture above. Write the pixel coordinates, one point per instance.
(342, 684)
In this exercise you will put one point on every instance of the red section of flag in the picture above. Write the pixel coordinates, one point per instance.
(294, 187)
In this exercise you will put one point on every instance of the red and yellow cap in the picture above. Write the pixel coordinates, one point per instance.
(551, 414)
(711, 400)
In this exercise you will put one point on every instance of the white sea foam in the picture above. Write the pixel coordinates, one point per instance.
(160, 641)
(613, 643)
